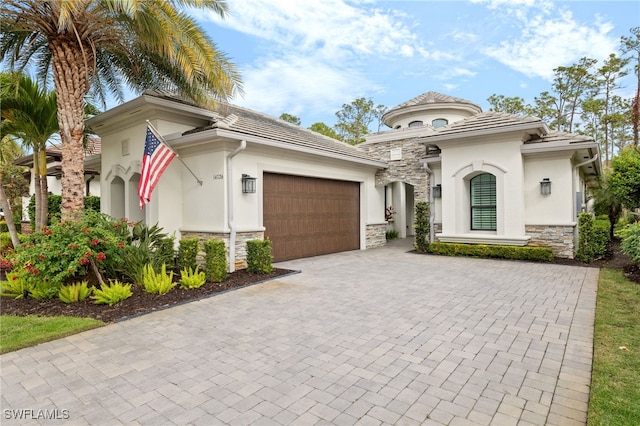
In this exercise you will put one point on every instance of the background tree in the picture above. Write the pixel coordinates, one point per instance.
(511, 105)
(606, 202)
(608, 76)
(95, 45)
(290, 118)
(13, 186)
(29, 114)
(625, 177)
(355, 118)
(545, 109)
(323, 129)
(631, 45)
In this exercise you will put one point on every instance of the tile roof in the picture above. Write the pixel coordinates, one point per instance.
(557, 136)
(432, 98)
(486, 121)
(249, 122)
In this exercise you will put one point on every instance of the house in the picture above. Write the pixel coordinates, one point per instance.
(53, 155)
(491, 178)
(259, 177)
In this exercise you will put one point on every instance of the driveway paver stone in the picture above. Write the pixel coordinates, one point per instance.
(380, 336)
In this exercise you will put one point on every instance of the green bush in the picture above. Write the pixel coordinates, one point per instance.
(112, 293)
(146, 245)
(44, 290)
(15, 287)
(422, 226)
(593, 237)
(215, 260)
(188, 253)
(259, 259)
(3, 226)
(631, 242)
(191, 278)
(91, 202)
(157, 282)
(539, 254)
(391, 235)
(65, 250)
(75, 292)
(601, 237)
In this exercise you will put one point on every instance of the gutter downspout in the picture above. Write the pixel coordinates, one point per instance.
(230, 203)
(432, 211)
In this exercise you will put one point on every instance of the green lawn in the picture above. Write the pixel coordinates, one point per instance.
(615, 384)
(21, 332)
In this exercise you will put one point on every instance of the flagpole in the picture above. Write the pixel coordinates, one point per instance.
(175, 153)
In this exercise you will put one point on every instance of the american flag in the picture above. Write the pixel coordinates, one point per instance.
(155, 160)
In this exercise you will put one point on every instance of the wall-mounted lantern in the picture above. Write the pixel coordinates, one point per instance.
(248, 184)
(545, 186)
(437, 191)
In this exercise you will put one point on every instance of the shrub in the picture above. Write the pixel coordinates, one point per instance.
(91, 202)
(540, 254)
(165, 253)
(422, 226)
(215, 261)
(259, 259)
(75, 292)
(66, 249)
(15, 286)
(112, 293)
(391, 235)
(44, 290)
(593, 237)
(147, 245)
(157, 282)
(188, 253)
(601, 236)
(631, 242)
(191, 278)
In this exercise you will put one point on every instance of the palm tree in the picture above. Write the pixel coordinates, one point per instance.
(8, 152)
(29, 113)
(95, 45)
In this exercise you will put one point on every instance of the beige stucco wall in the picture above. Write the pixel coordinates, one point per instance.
(462, 159)
(428, 115)
(557, 207)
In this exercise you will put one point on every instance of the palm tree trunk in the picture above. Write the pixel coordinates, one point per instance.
(8, 217)
(36, 190)
(44, 189)
(71, 68)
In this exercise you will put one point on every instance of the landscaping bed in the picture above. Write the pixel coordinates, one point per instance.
(141, 302)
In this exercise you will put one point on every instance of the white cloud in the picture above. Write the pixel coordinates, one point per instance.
(549, 38)
(313, 51)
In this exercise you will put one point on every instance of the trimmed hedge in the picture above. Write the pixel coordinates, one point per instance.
(215, 260)
(631, 242)
(259, 256)
(422, 226)
(593, 237)
(188, 254)
(538, 254)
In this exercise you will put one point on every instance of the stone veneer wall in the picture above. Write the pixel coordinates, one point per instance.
(559, 238)
(241, 244)
(376, 235)
(408, 169)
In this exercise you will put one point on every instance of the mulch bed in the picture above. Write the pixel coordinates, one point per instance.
(141, 302)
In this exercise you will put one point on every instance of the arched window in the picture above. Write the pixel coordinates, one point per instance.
(483, 202)
(439, 122)
(416, 123)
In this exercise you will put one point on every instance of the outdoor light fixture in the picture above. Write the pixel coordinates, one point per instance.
(545, 187)
(437, 191)
(248, 184)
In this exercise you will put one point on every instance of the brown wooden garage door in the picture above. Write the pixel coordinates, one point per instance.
(307, 216)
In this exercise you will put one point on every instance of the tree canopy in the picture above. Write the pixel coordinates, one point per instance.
(97, 46)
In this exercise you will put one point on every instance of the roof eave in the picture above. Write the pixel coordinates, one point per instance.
(539, 126)
(230, 134)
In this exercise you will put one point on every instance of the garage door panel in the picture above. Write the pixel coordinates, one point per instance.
(309, 216)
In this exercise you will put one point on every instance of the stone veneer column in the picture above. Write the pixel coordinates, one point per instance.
(559, 238)
(376, 235)
(241, 244)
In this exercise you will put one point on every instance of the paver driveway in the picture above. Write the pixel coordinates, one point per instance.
(366, 337)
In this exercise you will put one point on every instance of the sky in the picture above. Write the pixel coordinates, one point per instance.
(309, 57)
